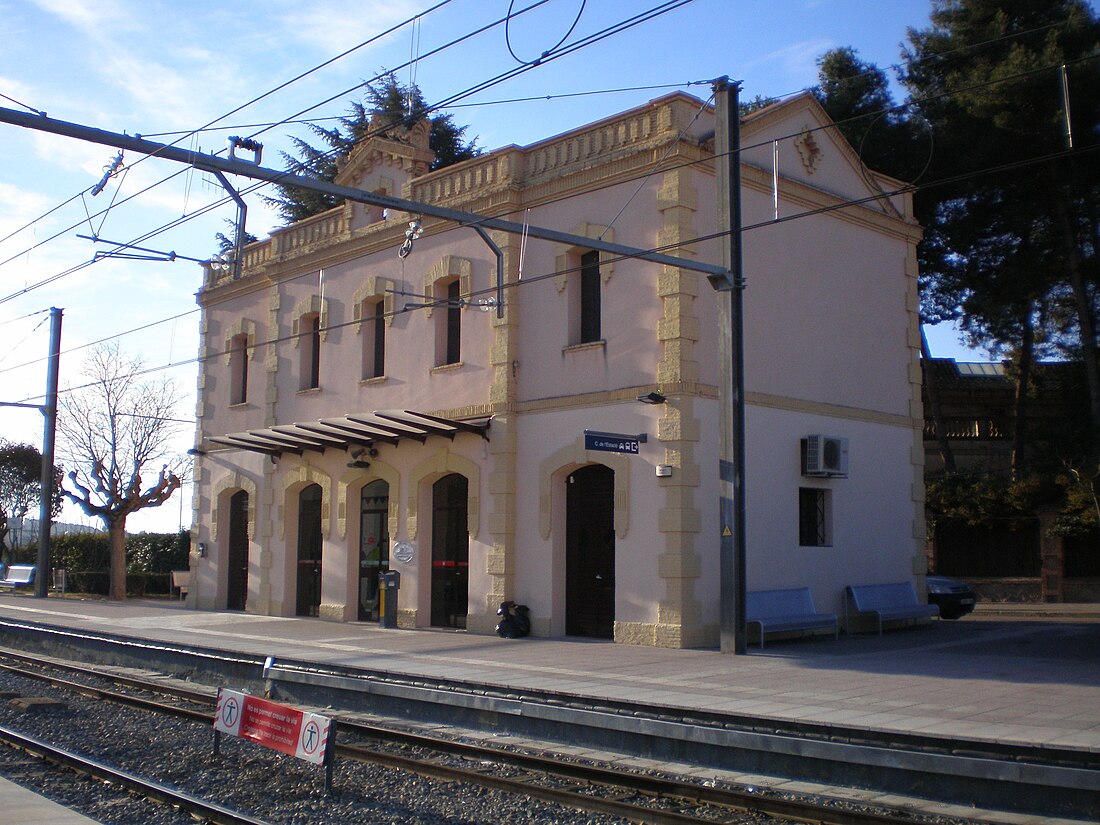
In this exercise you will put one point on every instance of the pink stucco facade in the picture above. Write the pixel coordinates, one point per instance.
(831, 343)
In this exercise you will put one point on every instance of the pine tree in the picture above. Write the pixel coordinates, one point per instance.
(1010, 240)
(394, 103)
(856, 95)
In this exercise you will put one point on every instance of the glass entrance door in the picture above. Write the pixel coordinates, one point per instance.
(309, 551)
(237, 586)
(450, 552)
(374, 546)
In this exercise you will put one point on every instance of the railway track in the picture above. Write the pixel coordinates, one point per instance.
(200, 809)
(639, 797)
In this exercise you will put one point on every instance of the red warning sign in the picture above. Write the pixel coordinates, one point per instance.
(285, 729)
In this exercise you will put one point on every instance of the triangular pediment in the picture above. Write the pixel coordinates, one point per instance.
(810, 150)
(394, 149)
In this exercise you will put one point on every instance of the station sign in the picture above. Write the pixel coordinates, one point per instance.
(613, 442)
(279, 727)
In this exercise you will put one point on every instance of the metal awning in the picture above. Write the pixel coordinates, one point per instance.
(354, 429)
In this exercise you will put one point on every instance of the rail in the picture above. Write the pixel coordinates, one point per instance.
(640, 797)
(200, 809)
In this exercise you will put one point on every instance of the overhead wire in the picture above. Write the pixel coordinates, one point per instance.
(268, 126)
(112, 337)
(507, 19)
(257, 99)
(527, 280)
(899, 69)
(786, 218)
(261, 184)
(552, 49)
(478, 104)
(628, 23)
(653, 12)
(360, 85)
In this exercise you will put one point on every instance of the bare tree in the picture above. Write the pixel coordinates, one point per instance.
(113, 430)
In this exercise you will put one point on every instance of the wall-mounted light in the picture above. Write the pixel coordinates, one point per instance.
(358, 462)
(652, 398)
(196, 451)
(202, 549)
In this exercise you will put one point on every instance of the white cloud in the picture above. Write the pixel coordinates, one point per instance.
(18, 206)
(333, 27)
(14, 88)
(798, 60)
(92, 17)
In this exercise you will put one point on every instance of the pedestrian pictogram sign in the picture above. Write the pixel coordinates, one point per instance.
(291, 731)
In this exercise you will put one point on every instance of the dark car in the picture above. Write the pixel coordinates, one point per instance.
(955, 598)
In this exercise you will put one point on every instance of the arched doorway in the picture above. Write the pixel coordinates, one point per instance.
(237, 557)
(590, 552)
(374, 545)
(450, 552)
(309, 551)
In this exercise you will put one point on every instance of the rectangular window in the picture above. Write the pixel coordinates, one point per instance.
(238, 369)
(814, 517)
(310, 352)
(590, 298)
(454, 324)
(374, 338)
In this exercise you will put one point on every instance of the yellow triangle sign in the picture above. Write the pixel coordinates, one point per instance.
(726, 532)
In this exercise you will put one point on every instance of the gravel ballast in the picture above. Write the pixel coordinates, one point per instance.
(245, 777)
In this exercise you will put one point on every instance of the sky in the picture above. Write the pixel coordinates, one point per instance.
(163, 69)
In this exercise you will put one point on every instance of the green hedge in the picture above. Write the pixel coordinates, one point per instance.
(150, 557)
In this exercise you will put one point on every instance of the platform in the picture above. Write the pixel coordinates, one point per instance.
(1014, 681)
(28, 808)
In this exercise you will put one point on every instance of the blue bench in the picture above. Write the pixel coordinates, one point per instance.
(18, 575)
(887, 602)
(780, 611)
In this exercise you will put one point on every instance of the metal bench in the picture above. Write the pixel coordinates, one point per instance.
(181, 582)
(779, 611)
(17, 576)
(887, 602)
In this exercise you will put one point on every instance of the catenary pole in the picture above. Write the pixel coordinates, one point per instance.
(731, 436)
(49, 429)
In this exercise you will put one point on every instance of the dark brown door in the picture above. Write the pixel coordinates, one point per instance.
(590, 552)
(450, 552)
(238, 552)
(309, 551)
(374, 546)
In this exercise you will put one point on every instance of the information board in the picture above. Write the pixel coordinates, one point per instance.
(613, 442)
(285, 729)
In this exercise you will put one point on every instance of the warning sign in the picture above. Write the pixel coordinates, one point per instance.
(285, 729)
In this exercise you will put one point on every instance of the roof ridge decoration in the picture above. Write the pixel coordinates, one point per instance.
(397, 146)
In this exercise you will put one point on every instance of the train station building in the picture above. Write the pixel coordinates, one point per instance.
(553, 439)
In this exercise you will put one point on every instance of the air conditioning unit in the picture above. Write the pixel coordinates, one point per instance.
(825, 456)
